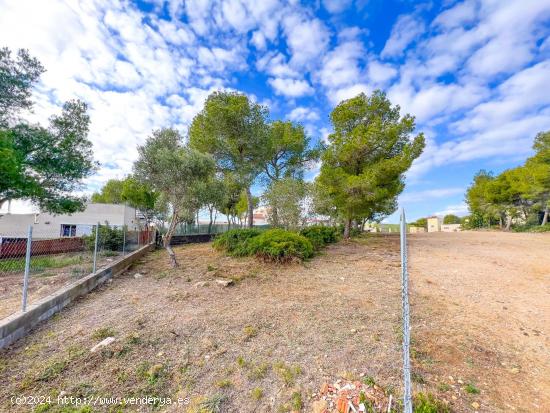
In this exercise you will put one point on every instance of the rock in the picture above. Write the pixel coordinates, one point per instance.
(324, 388)
(201, 284)
(138, 275)
(101, 344)
(224, 282)
(475, 405)
(319, 406)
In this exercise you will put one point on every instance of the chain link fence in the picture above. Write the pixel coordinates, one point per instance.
(35, 262)
(407, 386)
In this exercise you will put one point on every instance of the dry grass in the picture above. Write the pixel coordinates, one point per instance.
(480, 328)
(48, 274)
(266, 343)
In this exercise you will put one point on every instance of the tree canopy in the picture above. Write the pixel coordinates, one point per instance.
(451, 219)
(520, 193)
(233, 129)
(44, 165)
(369, 151)
(173, 170)
(17, 78)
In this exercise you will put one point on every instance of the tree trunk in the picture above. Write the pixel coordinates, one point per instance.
(545, 216)
(347, 228)
(168, 237)
(250, 205)
(508, 222)
(500, 222)
(210, 223)
(274, 216)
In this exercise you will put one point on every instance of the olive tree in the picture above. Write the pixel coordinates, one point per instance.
(173, 170)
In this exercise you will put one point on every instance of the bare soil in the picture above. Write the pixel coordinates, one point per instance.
(480, 327)
(481, 316)
(44, 282)
(265, 344)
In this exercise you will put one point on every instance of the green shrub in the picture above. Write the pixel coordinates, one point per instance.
(320, 235)
(280, 246)
(427, 403)
(109, 238)
(234, 241)
(532, 228)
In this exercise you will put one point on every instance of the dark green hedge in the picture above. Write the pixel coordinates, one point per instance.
(320, 235)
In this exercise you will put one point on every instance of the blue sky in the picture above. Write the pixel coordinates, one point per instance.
(476, 74)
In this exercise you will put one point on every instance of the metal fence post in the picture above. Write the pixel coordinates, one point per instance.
(123, 239)
(407, 397)
(95, 246)
(27, 269)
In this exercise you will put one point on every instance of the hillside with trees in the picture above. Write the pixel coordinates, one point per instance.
(518, 197)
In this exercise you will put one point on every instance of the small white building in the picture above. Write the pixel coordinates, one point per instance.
(46, 225)
(451, 228)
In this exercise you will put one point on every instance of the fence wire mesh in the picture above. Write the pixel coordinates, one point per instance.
(407, 388)
(37, 260)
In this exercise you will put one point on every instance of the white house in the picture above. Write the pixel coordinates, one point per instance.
(47, 225)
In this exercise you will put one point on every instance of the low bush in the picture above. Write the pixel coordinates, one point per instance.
(280, 246)
(427, 403)
(532, 228)
(320, 235)
(234, 241)
(109, 238)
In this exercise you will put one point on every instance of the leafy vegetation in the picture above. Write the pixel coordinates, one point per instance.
(44, 165)
(320, 235)
(519, 196)
(427, 403)
(173, 170)
(370, 150)
(234, 241)
(279, 245)
(109, 238)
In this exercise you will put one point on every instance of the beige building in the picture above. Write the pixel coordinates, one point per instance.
(414, 230)
(434, 224)
(47, 225)
(450, 228)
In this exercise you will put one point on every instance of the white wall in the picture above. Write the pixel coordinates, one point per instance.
(46, 225)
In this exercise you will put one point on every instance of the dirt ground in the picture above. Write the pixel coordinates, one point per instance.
(44, 282)
(481, 316)
(265, 344)
(480, 319)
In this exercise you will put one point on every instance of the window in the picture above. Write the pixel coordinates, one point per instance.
(68, 230)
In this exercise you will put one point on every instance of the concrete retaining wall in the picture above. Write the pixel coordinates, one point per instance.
(19, 324)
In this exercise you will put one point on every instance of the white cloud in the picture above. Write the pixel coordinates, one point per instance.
(405, 31)
(307, 39)
(324, 134)
(291, 87)
(341, 66)
(381, 73)
(303, 114)
(456, 209)
(460, 14)
(423, 196)
(275, 64)
(348, 92)
(336, 6)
